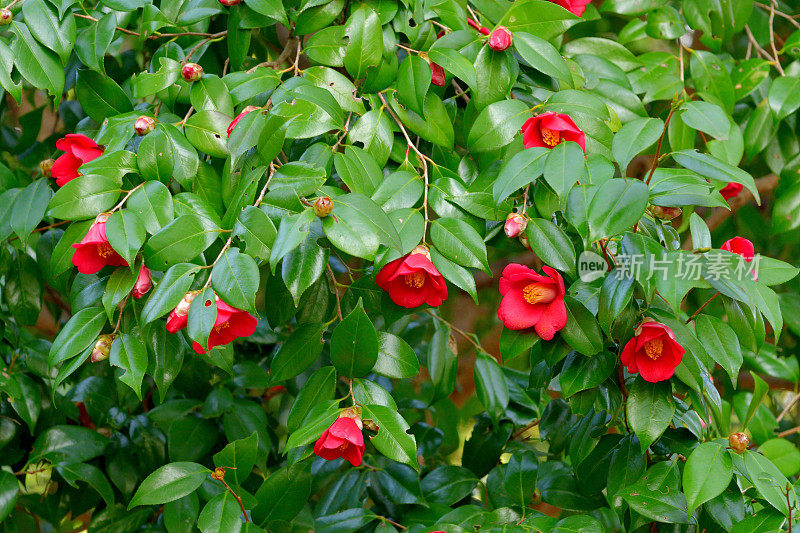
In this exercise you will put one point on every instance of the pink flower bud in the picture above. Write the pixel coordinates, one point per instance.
(144, 125)
(323, 206)
(438, 77)
(6, 16)
(515, 225)
(229, 3)
(500, 39)
(46, 166)
(143, 283)
(192, 72)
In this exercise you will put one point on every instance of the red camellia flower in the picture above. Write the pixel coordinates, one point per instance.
(413, 280)
(94, 251)
(576, 7)
(653, 352)
(731, 190)
(500, 39)
(550, 129)
(743, 247)
(343, 439)
(239, 117)
(231, 322)
(532, 300)
(78, 149)
(143, 283)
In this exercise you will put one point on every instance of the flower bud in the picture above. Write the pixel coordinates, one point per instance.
(186, 302)
(143, 283)
(438, 77)
(323, 206)
(524, 240)
(500, 39)
(738, 442)
(102, 348)
(5, 17)
(665, 213)
(192, 72)
(144, 125)
(229, 3)
(37, 477)
(515, 225)
(421, 249)
(46, 166)
(218, 473)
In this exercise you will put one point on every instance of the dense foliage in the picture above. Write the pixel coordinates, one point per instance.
(384, 265)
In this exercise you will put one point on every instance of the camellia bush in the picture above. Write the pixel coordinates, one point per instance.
(399, 265)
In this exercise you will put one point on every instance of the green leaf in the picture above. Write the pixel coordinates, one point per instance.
(168, 483)
(551, 244)
(582, 332)
(635, 137)
(649, 410)
(318, 388)
(538, 17)
(490, 385)
(181, 240)
(84, 197)
(207, 131)
(292, 231)
(169, 291)
(79, 333)
(302, 267)
(706, 117)
(783, 454)
(522, 169)
(129, 353)
(39, 66)
(202, 317)
(210, 93)
(565, 165)
(396, 359)
(542, 56)
(784, 96)
(497, 125)
(616, 207)
(770, 482)
(720, 343)
(459, 242)
(413, 81)
(354, 344)
(147, 83)
(153, 203)
(707, 473)
(93, 42)
(365, 42)
(220, 515)
(393, 439)
(68, 445)
(298, 353)
(283, 494)
(435, 126)
(29, 208)
(582, 373)
(357, 205)
(235, 278)
(126, 234)
(713, 168)
(100, 96)
(456, 64)
(9, 491)
(257, 231)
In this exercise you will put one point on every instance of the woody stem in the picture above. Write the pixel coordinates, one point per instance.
(128, 195)
(238, 500)
(701, 308)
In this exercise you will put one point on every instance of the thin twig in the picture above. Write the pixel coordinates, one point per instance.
(658, 146)
(702, 307)
(774, 50)
(457, 330)
(779, 13)
(524, 428)
(287, 50)
(336, 292)
(788, 407)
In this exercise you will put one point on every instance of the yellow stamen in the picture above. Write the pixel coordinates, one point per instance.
(104, 249)
(415, 280)
(550, 137)
(220, 327)
(653, 348)
(536, 293)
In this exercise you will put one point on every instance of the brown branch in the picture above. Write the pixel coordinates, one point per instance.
(284, 55)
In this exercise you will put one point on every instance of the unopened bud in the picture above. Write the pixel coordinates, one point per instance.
(738, 442)
(192, 72)
(500, 39)
(421, 249)
(218, 473)
(6, 16)
(665, 213)
(229, 3)
(186, 302)
(515, 225)
(438, 77)
(102, 348)
(323, 206)
(102, 217)
(143, 283)
(523, 239)
(144, 125)
(46, 166)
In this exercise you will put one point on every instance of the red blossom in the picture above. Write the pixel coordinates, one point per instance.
(78, 149)
(731, 190)
(438, 77)
(231, 323)
(576, 7)
(413, 280)
(532, 300)
(653, 352)
(342, 439)
(94, 251)
(743, 247)
(549, 129)
(239, 117)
